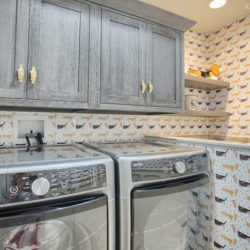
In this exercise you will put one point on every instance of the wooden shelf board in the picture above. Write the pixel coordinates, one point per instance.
(197, 82)
(203, 114)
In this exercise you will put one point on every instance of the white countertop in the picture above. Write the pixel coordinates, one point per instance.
(202, 141)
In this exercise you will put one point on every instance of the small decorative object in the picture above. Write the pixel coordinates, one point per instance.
(195, 72)
(213, 72)
(191, 102)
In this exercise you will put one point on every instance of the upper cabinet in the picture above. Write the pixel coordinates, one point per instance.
(141, 65)
(122, 60)
(59, 50)
(164, 67)
(85, 55)
(14, 17)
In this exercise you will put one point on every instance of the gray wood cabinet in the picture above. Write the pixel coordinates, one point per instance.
(14, 16)
(59, 50)
(99, 55)
(134, 51)
(164, 67)
(122, 59)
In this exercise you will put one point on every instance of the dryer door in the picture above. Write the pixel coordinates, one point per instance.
(171, 215)
(69, 225)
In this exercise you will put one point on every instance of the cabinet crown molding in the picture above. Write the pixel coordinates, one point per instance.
(149, 12)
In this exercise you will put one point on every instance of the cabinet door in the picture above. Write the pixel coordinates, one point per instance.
(14, 17)
(122, 59)
(165, 67)
(58, 49)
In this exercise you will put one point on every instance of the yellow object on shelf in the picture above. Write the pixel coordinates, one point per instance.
(214, 70)
(195, 72)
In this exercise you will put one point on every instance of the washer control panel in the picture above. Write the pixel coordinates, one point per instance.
(156, 169)
(20, 187)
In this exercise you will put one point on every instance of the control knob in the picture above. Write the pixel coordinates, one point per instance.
(14, 189)
(180, 167)
(40, 186)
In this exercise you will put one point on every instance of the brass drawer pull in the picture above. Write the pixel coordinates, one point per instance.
(20, 73)
(143, 87)
(151, 88)
(33, 75)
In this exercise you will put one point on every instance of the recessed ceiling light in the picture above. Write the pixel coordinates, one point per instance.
(217, 4)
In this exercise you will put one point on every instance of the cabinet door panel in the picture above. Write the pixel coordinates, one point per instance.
(164, 66)
(14, 18)
(58, 48)
(122, 59)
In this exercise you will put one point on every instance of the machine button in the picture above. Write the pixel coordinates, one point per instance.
(54, 181)
(180, 167)
(64, 183)
(13, 189)
(40, 186)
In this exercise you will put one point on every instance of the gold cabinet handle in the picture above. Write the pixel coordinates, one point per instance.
(151, 88)
(20, 73)
(143, 87)
(33, 75)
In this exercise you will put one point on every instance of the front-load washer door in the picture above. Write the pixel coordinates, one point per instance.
(171, 215)
(75, 225)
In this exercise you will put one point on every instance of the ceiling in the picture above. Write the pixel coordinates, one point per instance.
(207, 19)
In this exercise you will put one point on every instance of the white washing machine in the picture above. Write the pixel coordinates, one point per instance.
(162, 196)
(56, 197)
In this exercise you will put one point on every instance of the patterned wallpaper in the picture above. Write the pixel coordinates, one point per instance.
(229, 47)
(229, 171)
(195, 50)
(62, 128)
